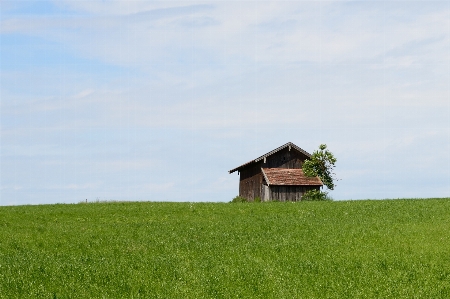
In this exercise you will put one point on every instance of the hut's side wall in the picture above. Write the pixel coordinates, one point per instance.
(250, 182)
(288, 193)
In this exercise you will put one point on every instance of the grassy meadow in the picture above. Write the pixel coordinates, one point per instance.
(342, 249)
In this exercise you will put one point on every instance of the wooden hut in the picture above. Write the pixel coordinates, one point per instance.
(277, 175)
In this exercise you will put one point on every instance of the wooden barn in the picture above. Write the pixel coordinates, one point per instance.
(276, 175)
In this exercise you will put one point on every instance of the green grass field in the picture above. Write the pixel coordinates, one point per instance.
(349, 249)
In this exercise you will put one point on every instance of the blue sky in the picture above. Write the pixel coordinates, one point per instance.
(144, 100)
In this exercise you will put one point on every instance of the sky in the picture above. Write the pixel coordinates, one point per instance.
(157, 101)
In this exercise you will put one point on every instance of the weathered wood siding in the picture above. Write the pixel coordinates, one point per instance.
(285, 193)
(285, 159)
(251, 180)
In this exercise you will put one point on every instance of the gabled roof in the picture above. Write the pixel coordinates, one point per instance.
(289, 144)
(289, 177)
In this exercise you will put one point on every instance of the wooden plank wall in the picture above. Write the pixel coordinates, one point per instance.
(250, 182)
(287, 193)
(285, 159)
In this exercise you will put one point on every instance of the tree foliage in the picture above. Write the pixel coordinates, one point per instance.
(315, 195)
(321, 164)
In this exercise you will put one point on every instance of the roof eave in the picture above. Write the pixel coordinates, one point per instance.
(265, 177)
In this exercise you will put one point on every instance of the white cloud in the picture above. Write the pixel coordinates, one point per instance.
(83, 93)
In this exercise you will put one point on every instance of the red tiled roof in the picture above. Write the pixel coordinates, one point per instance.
(289, 177)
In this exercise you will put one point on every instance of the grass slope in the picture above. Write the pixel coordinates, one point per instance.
(353, 249)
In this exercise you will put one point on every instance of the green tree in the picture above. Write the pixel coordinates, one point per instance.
(321, 164)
